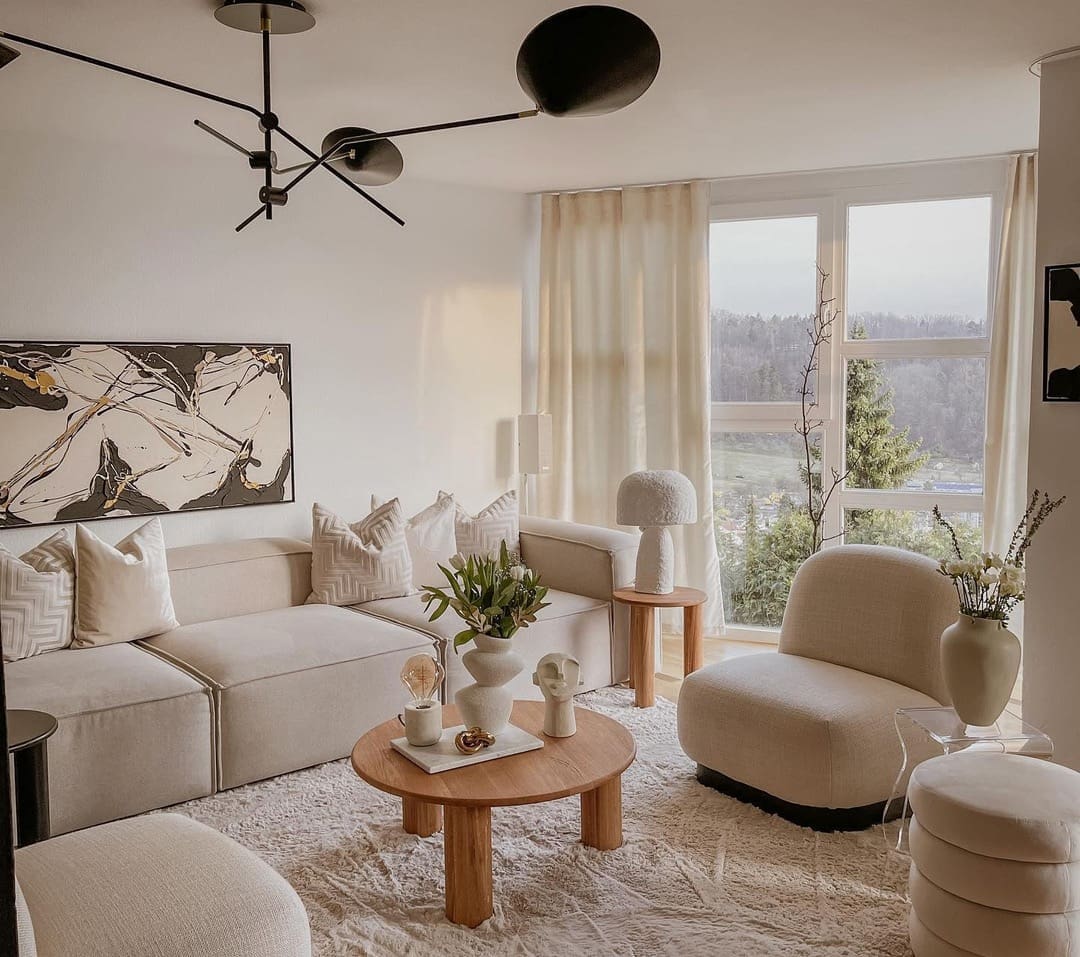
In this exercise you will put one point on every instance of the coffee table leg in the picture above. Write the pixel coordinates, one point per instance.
(642, 655)
(601, 816)
(419, 817)
(693, 653)
(468, 865)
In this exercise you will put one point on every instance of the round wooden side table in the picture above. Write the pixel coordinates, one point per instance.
(642, 654)
(27, 736)
(589, 763)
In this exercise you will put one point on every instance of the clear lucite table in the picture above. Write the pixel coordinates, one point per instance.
(941, 726)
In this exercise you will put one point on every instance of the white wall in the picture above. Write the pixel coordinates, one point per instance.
(406, 342)
(1052, 613)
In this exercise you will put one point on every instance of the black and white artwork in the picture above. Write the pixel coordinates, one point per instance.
(97, 430)
(1061, 334)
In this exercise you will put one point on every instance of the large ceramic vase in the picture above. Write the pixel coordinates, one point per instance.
(980, 659)
(487, 703)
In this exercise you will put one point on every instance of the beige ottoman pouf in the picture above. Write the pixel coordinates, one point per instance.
(995, 848)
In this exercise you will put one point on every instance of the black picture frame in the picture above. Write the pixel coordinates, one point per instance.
(289, 487)
(1060, 382)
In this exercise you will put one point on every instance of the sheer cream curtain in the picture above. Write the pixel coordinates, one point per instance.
(1008, 385)
(623, 356)
(1012, 332)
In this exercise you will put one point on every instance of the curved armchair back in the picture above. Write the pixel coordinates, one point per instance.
(875, 609)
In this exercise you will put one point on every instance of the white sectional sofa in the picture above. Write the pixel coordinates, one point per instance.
(256, 683)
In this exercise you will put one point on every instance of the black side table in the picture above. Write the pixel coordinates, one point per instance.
(27, 736)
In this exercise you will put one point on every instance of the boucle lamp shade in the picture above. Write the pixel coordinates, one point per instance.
(654, 499)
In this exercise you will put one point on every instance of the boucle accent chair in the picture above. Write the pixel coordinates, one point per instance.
(808, 733)
(155, 886)
(995, 857)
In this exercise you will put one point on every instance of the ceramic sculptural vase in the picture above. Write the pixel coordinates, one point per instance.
(980, 659)
(487, 702)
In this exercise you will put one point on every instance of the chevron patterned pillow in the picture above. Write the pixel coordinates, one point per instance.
(481, 534)
(351, 564)
(37, 598)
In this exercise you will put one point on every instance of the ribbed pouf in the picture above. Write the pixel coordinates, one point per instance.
(995, 857)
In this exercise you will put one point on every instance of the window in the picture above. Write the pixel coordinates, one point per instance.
(900, 388)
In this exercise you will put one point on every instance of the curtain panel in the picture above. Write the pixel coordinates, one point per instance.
(1012, 333)
(623, 357)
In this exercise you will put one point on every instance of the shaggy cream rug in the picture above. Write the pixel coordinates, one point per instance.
(699, 873)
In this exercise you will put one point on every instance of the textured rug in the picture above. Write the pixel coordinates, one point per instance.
(699, 873)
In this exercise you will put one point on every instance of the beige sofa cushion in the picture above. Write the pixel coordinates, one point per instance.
(573, 624)
(134, 732)
(988, 931)
(37, 598)
(293, 687)
(806, 731)
(1000, 805)
(993, 882)
(122, 592)
(158, 886)
(238, 578)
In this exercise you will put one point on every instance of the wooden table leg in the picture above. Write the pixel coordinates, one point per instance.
(693, 652)
(601, 816)
(419, 817)
(642, 655)
(468, 865)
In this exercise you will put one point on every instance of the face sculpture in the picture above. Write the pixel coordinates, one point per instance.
(558, 676)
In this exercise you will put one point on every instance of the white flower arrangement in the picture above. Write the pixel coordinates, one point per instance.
(494, 595)
(989, 585)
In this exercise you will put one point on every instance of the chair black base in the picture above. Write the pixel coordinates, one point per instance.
(816, 818)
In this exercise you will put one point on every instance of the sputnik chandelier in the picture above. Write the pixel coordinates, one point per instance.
(584, 61)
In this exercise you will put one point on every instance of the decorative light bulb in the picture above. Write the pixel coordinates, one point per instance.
(423, 676)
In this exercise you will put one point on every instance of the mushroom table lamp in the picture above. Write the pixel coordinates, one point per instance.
(653, 500)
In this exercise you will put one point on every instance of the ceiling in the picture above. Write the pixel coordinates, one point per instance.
(745, 86)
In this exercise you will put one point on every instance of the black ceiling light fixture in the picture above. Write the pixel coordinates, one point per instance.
(7, 54)
(584, 61)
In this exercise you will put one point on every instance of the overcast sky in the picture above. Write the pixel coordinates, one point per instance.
(908, 258)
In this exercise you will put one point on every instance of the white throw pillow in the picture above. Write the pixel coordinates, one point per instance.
(432, 540)
(122, 592)
(37, 598)
(481, 534)
(351, 564)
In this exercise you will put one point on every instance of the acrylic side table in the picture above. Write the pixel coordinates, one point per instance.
(1008, 735)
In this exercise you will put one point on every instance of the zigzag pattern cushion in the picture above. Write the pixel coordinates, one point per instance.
(351, 564)
(481, 534)
(37, 598)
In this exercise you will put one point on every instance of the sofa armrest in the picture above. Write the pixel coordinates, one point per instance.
(582, 559)
(586, 560)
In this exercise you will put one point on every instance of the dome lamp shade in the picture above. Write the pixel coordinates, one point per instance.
(375, 163)
(653, 500)
(587, 61)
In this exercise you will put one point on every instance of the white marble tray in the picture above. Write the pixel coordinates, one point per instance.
(444, 756)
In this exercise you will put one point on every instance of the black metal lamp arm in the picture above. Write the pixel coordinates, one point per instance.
(138, 74)
(370, 137)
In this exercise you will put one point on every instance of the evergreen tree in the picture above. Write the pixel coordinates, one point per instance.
(881, 455)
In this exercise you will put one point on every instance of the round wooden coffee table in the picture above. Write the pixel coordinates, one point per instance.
(589, 763)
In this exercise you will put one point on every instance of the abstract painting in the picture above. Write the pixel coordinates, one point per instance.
(1061, 334)
(97, 430)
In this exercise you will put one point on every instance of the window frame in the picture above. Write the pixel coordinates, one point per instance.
(830, 196)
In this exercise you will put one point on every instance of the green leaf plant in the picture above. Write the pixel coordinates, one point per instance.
(494, 595)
